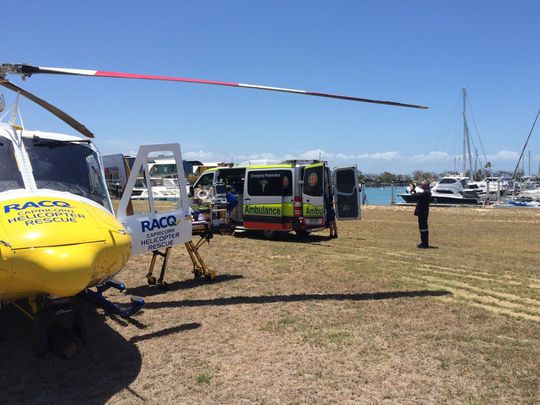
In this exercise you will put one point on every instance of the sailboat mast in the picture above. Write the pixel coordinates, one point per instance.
(466, 141)
(464, 160)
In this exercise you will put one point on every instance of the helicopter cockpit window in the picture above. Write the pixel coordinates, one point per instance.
(67, 166)
(10, 176)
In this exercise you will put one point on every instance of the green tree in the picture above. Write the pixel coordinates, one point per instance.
(419, 175)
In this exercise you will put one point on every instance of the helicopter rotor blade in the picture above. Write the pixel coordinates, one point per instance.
(27, 70)
(68, 119)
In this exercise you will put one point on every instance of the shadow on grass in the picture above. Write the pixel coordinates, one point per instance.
(148, 290)
(290, 237)
(270, 299)
(165, 332)
(107, 365)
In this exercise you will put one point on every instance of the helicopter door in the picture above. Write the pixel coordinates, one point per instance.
(313, 195)
(346, 194)
(154, 225)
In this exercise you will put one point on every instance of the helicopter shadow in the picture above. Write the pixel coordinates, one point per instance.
(107, 365)
(271, 299)
(147, 290)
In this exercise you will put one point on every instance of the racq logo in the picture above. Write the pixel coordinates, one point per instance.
(160, 223)
(34, 204)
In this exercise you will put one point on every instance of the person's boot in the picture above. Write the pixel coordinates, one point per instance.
(424, 237)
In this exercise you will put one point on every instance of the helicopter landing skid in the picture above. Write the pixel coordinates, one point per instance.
(125, 311)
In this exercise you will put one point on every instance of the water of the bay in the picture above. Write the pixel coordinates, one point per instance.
(382, 195)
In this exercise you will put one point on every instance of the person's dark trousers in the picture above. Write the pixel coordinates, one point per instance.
(424, 231)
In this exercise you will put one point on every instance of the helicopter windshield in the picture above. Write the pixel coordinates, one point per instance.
(67, 166)
(10, 176)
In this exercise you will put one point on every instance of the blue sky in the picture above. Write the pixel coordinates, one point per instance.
(421, 52)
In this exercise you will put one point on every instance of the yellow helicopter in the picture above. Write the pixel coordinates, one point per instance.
(59, 235)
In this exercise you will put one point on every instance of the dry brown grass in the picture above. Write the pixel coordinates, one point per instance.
(365, 318)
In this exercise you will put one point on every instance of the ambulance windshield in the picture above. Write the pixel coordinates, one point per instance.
(10, 176)
(67, 166)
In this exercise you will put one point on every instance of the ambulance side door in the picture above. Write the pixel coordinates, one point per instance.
(154, 227)
(346, 195)
(313, 194)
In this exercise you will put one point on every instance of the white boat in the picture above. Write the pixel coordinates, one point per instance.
(492, 186)
(447, 191)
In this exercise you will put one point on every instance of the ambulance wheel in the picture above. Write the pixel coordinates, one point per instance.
(151, 280)
(267, 234)
(302, 233)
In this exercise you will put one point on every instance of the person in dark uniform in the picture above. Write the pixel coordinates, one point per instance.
(422, 211)
(330, 216)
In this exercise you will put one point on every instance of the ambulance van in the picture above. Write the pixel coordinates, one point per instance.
(284, 197)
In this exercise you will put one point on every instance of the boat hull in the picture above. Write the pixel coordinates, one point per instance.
(442, 199)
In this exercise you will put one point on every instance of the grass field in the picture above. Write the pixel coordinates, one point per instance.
(366, 318)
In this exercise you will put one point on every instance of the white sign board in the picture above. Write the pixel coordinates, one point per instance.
(154, 230)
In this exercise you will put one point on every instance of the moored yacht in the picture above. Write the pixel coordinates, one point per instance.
(447, 191)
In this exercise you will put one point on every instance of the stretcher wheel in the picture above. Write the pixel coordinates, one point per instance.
(151, 280)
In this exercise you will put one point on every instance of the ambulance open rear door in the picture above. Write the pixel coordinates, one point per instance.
(346, 195)
(313, 195)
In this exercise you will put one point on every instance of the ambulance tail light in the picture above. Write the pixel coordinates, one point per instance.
(297, 206)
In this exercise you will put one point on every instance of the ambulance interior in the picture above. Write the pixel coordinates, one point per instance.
(230, 186)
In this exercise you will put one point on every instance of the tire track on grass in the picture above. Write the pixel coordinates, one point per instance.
(466, 272)
(463, 292)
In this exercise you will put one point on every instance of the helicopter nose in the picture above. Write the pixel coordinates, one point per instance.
(56, 270)
(67, 270)
(60, 251)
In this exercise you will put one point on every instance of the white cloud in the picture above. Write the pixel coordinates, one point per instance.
(385, 156)
(431, 156)
(199, 155)
(313, 154)
(256, 156)
(373, 162)
(504, 155)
